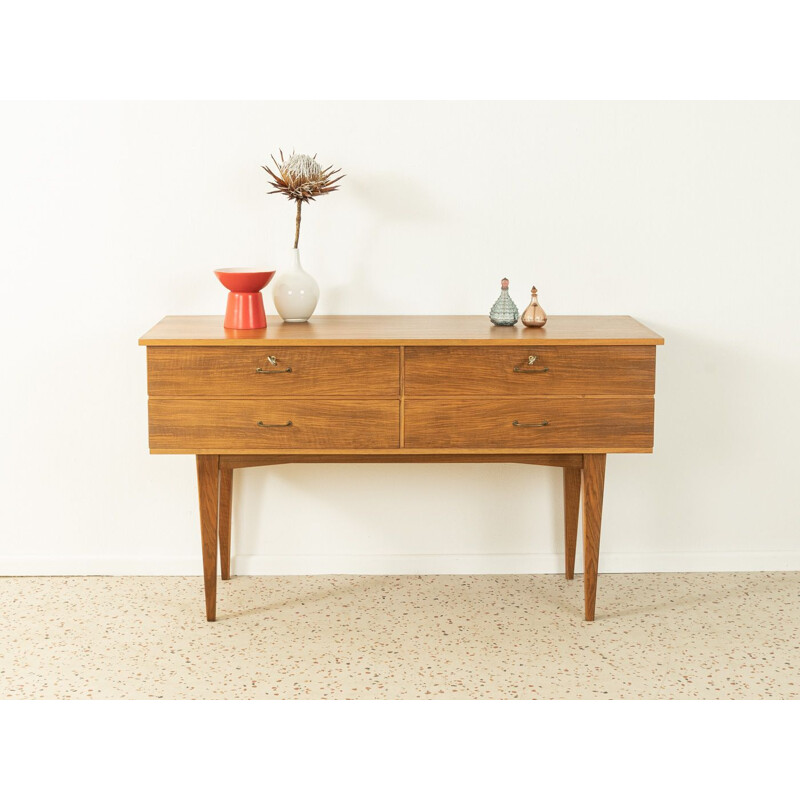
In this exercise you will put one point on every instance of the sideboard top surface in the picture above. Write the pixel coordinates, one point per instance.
(402, 330)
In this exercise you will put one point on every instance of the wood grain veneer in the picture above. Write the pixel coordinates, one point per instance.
(402, 390)
(375, 331)
(580, 423)
(189, 424)
(314, 372)
(454, 371)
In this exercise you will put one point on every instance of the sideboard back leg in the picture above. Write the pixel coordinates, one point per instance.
(225, 504)
(208, 491)
(594, 470)
(572, 502)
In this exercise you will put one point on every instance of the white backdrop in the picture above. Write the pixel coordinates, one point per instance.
(684, 215)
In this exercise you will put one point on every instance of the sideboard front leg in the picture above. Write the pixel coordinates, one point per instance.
(572, 502)
(594, 470)
(208, 491)
(225, 505)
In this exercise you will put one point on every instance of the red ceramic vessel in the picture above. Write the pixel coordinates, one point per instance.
(245, 309)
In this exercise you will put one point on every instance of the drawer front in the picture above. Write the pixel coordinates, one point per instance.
(252, 425)
(452, 371)
(296, 371)
(579, 424)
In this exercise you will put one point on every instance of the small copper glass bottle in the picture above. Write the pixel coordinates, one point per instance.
(534, 316)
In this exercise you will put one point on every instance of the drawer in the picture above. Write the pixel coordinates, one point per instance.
(578, 424)
(250, 371)
(534, 370)
(248, 426)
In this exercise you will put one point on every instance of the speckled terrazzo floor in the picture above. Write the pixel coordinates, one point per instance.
(721, 635)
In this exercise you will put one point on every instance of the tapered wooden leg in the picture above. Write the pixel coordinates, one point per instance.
(225, 504)
(572, 502)
(208, 491)
(594, 470)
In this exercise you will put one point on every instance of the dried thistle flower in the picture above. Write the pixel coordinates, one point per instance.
(301, 179)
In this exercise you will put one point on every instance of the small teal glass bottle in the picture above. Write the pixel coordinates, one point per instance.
(504, 312)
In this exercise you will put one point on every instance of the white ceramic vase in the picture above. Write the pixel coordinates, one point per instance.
(295, 292)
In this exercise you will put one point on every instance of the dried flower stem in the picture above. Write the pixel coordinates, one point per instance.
(300, 178)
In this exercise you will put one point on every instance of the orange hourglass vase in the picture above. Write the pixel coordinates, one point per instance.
(245, 310)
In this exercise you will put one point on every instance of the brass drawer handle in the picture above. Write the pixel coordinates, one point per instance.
(272, 360)
(531, 359)
(280, 425)
(517, 424)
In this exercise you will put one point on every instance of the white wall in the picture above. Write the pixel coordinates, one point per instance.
(685, 215)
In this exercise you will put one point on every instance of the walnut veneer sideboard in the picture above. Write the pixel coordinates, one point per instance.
(402, 389)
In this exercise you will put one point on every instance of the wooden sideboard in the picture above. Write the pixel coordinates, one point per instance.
(383, 389)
